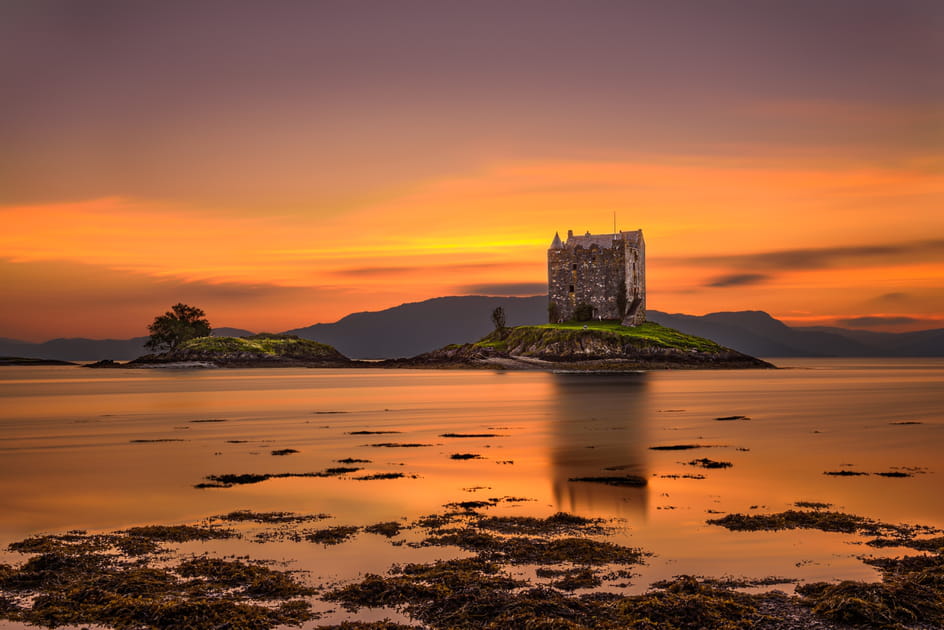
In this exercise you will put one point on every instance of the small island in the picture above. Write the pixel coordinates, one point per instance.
(585, 346)
(262, 350)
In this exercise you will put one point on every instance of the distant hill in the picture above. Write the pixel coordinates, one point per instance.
(758, 334)
(411, 329)
(417, 327)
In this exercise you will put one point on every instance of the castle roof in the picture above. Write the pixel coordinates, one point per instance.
(556, 243)
(631, 238)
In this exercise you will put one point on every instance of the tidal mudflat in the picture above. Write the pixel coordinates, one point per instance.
(265, 497)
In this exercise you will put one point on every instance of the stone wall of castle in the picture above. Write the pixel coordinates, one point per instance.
(605, 272)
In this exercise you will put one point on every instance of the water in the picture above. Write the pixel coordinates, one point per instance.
(68, 460)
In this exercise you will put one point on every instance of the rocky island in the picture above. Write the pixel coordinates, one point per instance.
(262, 350)
(585, 346)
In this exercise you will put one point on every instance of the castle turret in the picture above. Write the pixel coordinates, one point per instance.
(556, 243)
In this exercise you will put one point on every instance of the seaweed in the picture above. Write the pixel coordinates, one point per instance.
(251, 580)
(388, 529)
(371, 432)
(469, 435)
(704, 462)
(269, 517)
(208, 420)
(352, 460)
(815, 505)
(78, 585)
(230, 480)
(627, 481)
(332, 535)
(377, 476)
(156, 441)
(284, 451)
(397, 445)
(895, 474)
(729, 418)
(676, 447)
(845, 473)
(465, 456)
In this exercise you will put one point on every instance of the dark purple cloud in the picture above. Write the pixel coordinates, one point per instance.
(872, 321)
(505, 289)
(738, 280)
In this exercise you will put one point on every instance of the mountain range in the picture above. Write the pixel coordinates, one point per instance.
(414, 328)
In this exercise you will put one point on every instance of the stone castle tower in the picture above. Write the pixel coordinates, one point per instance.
(603, 276)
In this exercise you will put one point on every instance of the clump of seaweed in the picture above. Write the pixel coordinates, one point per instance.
(571, 579)
(230, 480)
(70, 581)
(465, 456)
(269, 517)
(556, 524)
(388, 529)
(332, 535)
(729, 418)
(377, 476)
(704, 462)
(845, 473)
(676, 447)
(813, 505)
(469, 435)
(371, 432)
(352, 460)
(627, 481)
(397, 445)
(284, 451)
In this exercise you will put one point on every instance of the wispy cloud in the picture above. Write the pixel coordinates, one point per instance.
(875, 321)
(821, 257)
(738, 280)
(505, 289)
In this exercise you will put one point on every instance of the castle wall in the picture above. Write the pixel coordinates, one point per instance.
(596, 270)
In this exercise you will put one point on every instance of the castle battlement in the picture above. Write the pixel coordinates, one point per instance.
(603, 275)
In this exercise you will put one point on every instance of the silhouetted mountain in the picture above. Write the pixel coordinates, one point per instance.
(411, 329)
(758, 334)
(80, 349)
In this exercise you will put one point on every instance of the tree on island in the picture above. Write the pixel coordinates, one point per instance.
(181, 323)
(498, 318)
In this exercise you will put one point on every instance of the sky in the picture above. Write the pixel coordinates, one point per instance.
(284, 163)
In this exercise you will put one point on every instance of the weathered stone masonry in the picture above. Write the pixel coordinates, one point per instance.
(606, 272)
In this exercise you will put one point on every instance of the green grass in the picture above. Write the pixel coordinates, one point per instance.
(646, 334)
(275, 345)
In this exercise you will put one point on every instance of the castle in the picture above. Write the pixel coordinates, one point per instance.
(597, 276)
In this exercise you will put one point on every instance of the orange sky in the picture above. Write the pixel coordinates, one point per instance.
(365, 182)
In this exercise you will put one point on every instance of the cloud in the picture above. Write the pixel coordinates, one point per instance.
(823, 257)
(425, 268)
(870, 321)
(896, 296)
(505, 289)
(738, 280)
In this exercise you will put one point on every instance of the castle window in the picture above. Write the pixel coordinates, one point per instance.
(571, 289)
(593, 259)
(574, 266)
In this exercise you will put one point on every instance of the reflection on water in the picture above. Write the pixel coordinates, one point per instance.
(598, 428)
(86, 449)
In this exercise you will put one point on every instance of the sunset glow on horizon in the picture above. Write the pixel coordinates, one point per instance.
(325, 158)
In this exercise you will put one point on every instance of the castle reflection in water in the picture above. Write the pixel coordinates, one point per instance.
(598, 428)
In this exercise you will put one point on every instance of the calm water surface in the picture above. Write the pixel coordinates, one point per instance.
(68, 460)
